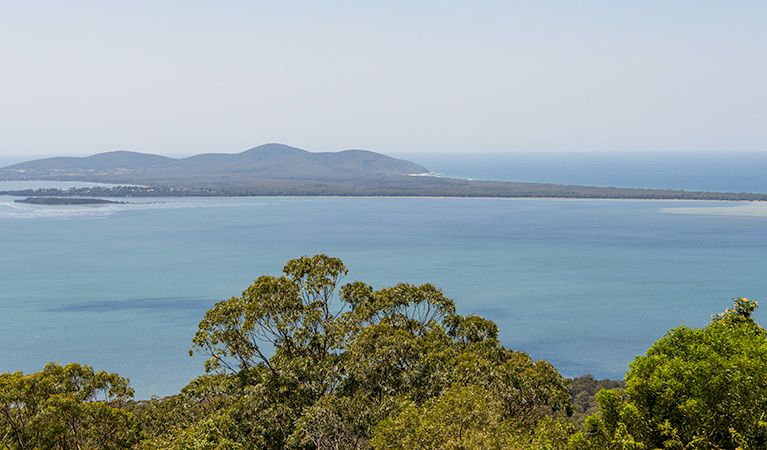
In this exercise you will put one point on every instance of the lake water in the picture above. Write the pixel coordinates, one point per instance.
(584, 284)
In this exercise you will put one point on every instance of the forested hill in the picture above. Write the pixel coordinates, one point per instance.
(276, 169)
(274, 162)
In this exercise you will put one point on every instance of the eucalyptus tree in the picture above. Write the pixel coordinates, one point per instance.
(66, 407)
(301, 361)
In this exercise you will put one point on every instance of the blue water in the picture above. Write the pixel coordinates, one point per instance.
(584, 284)
(692, 171)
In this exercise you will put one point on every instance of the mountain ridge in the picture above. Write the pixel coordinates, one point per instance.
(281, 170)
(265, 162)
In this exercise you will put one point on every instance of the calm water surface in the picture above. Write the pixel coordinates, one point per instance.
(584, 284)
(692, 171)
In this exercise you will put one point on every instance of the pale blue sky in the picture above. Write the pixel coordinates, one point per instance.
(192, 76)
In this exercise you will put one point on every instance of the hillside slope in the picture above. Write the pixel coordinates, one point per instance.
(274, 162)
(276, 169)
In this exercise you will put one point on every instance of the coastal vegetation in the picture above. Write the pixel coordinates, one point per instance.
(302, 361)
(411, 187)
(66, 201)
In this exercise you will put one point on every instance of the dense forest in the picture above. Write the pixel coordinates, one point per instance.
(401, 187)
(300, 361)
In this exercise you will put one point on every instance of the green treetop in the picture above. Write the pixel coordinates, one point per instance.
(694, 389)
(344, 358)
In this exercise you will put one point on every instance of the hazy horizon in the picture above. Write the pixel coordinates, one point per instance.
(184, 78)
(10, 159)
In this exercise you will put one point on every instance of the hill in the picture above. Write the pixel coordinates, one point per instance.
(100, 162)
(276, 169)
(267, 162)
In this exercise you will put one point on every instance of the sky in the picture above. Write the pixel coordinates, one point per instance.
(182, 77)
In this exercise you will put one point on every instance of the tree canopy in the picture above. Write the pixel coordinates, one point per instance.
(694, 388)
(66, 407)
(302, 361)
(317, 365)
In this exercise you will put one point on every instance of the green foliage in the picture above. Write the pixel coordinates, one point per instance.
(209, 433)
(583, 394)
(702, 383)
(465, 417)
(338, 422)
(345, 359)
(66, 407)
(610, 429)
(291, 313)
(695, 388)
(163, 418)
(740, 314)
(462, 417)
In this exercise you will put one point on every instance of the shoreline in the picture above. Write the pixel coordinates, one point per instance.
(431, 197)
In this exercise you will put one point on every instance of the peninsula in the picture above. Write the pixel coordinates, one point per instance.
(281, 170)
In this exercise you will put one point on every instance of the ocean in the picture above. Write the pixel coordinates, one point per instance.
(692, 171)
(584, 284)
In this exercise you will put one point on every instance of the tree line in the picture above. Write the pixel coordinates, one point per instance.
(400, 187)
(301, 361)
